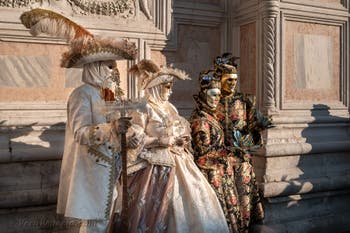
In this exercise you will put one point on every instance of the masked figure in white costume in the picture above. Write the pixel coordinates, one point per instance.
(90, 164)
(169, 193)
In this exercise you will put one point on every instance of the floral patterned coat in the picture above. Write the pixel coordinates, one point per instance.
(238, 118)
(213, 160)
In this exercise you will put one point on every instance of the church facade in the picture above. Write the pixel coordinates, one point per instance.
(293, 56)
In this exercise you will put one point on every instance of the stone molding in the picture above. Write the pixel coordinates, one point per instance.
(287, 188)
(31, 113)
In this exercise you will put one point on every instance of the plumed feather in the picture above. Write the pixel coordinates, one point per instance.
(226, 58)
(144, 69)
(143, 66)
(54, 24)
(151, 74)
(177, 73)
(134, 70)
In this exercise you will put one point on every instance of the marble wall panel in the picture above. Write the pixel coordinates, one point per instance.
(32, 72)
(24, 71)
(73, 77)
(247, 69)
(312, 62)
(123, 69)
(198, 47)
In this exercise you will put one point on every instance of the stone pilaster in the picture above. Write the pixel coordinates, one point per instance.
(302, 80)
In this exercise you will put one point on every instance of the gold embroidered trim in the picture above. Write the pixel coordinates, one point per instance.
(111, 183)
(93, 150)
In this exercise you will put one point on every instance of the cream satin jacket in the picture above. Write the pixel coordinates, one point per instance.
(89, 167)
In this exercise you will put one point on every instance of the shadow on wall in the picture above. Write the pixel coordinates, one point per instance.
(323, 141)
(29, 179)
(316, 197)
(31, 142)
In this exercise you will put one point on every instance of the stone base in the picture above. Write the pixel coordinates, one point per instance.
(312, 213)
(36, 220)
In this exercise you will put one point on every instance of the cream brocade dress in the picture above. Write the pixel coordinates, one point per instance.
(170, 194)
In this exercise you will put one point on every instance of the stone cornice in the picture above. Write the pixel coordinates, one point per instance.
(198, 14)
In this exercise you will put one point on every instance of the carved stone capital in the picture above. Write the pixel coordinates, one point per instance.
(269, 8)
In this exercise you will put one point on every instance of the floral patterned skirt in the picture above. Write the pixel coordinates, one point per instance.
(236, 189)
(249, 198)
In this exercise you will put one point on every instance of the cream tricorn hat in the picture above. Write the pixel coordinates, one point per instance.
(152, 75)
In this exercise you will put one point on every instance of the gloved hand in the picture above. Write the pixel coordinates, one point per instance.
(134, 141)
(167, 141)
(122, 124)
(180, 141)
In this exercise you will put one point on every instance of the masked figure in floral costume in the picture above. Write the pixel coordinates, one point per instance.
(242, 125)
(169, 194)
(208, 143)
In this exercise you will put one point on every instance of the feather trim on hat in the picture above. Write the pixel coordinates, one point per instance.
(143, 67)
(226, 58)
(177, 73)
(54, 24)
(225, 69)
(99, 49)
(152, 75)
(144, 70)
(165, 75)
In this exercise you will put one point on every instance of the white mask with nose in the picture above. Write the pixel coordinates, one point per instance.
(213, 97)
(99, 74)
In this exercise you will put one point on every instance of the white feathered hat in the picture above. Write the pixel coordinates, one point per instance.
(84, 46)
